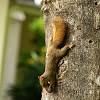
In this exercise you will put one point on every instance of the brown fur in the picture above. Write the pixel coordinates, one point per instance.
(59, 30)
(48, 78)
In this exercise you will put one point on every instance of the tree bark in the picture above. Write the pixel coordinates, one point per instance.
(80, 68)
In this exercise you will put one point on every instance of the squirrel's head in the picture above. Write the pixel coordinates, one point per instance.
(45, 83)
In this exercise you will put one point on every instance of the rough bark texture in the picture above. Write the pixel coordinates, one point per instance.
(80, 68)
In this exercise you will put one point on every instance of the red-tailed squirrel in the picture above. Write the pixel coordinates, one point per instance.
(48, 78)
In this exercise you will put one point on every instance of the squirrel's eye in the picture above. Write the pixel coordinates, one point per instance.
(43, 83)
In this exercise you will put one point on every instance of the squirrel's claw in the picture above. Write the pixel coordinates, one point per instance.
(71, 45)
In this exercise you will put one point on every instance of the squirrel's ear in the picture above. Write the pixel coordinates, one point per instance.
(38, 77)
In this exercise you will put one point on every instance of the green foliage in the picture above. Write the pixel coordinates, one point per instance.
(29, 87)
(37, 27)
(31, 65)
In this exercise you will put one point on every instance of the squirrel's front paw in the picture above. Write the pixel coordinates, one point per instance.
(71, 45)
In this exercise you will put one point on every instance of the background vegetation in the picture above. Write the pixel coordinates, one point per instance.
(31, 65)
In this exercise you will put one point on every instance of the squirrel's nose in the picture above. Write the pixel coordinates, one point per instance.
(49, 90)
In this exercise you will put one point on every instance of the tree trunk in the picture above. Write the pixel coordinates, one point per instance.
(80, 68)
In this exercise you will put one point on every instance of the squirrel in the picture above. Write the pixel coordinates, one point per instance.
(48, 78)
